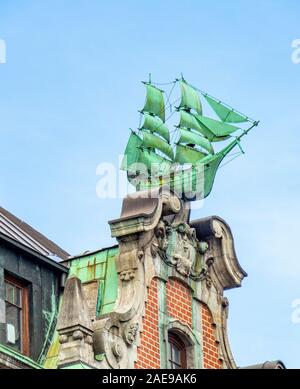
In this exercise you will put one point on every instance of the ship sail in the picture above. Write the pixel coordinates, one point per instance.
(149, 157)
(152, 141)
(154, 104)
(153, 161)
(155, 124)
(220, 130)
(137, 160)
(202, 172)
(132, 151)
(189, 120)
(186, 154)
(153, 135)
(211, 165)
(190, 137)
(226, 114)
(187, 147)
(190, 98)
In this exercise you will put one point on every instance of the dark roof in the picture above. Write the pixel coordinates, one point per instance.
(35, 255)
(22, 232)
(266, 365)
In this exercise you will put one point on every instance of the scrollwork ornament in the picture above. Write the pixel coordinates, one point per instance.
(117, 350)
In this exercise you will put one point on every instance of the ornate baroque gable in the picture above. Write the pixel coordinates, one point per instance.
(171, 277)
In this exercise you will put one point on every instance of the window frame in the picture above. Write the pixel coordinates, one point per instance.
(174, 340)
(25, 349)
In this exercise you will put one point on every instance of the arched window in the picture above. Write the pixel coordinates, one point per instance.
(177, 351)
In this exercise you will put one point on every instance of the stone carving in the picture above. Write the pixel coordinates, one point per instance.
(127, 275)
(202, 247)
(74, 326)
(127, 266)
(63, 339)
(207, 276)
(89, 340)
(155, 227)
(130, 332)
(176, 244)
(117, 350)
(182, 248)
(160, 243)
(142, 234)
(226, 268)
(149, 231)
(108, 340)
(77, 335)
(225, 302)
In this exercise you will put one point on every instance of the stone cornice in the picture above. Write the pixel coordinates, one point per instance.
(142, 211)
(225, 268)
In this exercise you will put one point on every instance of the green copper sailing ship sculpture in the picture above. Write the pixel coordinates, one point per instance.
(152, 160)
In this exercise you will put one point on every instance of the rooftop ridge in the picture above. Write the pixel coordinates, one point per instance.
(39, 242)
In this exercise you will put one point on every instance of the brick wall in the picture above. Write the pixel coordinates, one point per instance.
(148, 356)
(179, 301)
(179, 306)
(210, 347)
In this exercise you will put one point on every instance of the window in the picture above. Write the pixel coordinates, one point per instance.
(177, 352)
(16, 311)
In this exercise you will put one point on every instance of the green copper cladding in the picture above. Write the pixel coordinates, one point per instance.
(24, 360)
(152, 141)
(97, 267)
(226, 114)
(190, 98)
(188, 136)
(155, 124)
(154, 101)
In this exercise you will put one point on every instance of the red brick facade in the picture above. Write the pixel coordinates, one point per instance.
(179, 302)
(148, 351)
(210, 347)
(179, 306)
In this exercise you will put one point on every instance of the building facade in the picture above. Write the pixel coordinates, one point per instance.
(154, 300)
(30, 288)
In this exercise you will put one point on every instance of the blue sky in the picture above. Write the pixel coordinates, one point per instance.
(70, 89)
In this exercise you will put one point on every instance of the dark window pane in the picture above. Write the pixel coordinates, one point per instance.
(13, 326)
(9, 295)
(177, 352)
(176, 355)
(18, 299)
